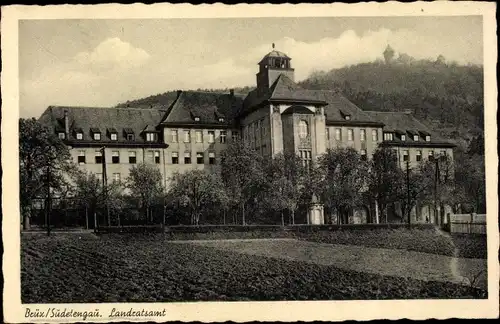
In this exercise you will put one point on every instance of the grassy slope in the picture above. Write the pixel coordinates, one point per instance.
(66, 268)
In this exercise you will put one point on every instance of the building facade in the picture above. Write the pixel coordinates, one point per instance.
(190, 130)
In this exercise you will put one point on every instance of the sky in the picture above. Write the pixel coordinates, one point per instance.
(103, 62)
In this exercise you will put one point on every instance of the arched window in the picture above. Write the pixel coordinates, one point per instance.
(303, 129)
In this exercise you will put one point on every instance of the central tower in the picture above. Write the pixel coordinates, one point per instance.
(271, 66)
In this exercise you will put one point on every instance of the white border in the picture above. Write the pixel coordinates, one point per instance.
(246, 311)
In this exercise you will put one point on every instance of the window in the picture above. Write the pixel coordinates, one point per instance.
(175, 158)
(350, 135)
(211, 158)
(347, 117)
(199, 158)
(132, 159)
(151, 156)
(187, 136)
(221, 120)
(427, 138)
(305, 156)
(187, 158)
(374, 135)
(196, 118)
(362, 135)
(431, 156)
(150, 137)
(175, 136)
(98, 157)
(130, 137)
(199, 136)
(211, 136)
(234, 136)
(114, 136)
(157, 157)
(363, 155)
(223, 135)
(403, 137)
(406, 155)
(61, 135)
(443, 154)
(338, 134)
(115, 157)
(99, 176)
(81, 157)
(303, 129)
(116, 177)
(97, 136)
(415, 138)
(388, 137)
(79, 136)
(419, 156)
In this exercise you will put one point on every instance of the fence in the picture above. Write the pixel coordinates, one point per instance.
(468, 223)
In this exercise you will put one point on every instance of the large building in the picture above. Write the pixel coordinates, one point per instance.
(191, 129)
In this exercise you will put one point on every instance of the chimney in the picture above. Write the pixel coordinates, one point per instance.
(66, 123)
(231, 92)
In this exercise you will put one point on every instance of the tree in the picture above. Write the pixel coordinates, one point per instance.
(388, 54)
(441, 60)
(343, 180)
(386, 179)
(285, 183)
(89, 191)
(145, 182)
(242, 176)
(43, 160)
(200, 190)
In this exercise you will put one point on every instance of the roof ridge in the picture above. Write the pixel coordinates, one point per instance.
(117, 108)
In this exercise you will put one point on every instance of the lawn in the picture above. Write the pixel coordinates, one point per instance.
(418, 240)
(147, 268)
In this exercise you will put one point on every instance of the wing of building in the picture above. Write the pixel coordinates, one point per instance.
(190, 130)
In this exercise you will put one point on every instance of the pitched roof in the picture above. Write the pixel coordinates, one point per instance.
(282, 89)
(336, 105)
(209, 107)
(404, 122)
(87, 118)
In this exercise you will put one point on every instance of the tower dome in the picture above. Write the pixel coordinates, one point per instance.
(272, 65)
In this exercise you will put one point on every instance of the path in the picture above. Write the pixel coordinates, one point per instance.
(389, 262)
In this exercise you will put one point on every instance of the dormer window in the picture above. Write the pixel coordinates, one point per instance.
(61, 135)
(345, 115)
(388, 136)
(415, 138)
(96, 134)
(113, 134)
(427, 138)
(221, 120)
(196, 118)
(78, 133)
(129, 134)
(150, 137)
(403, 137)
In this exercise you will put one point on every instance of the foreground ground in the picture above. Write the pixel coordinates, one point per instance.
(146, 268)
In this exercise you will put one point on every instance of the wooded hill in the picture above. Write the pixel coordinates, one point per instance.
(446, 96)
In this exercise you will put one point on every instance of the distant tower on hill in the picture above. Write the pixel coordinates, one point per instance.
(388, 54)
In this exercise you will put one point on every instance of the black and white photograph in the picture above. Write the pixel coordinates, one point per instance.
(244, 158)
